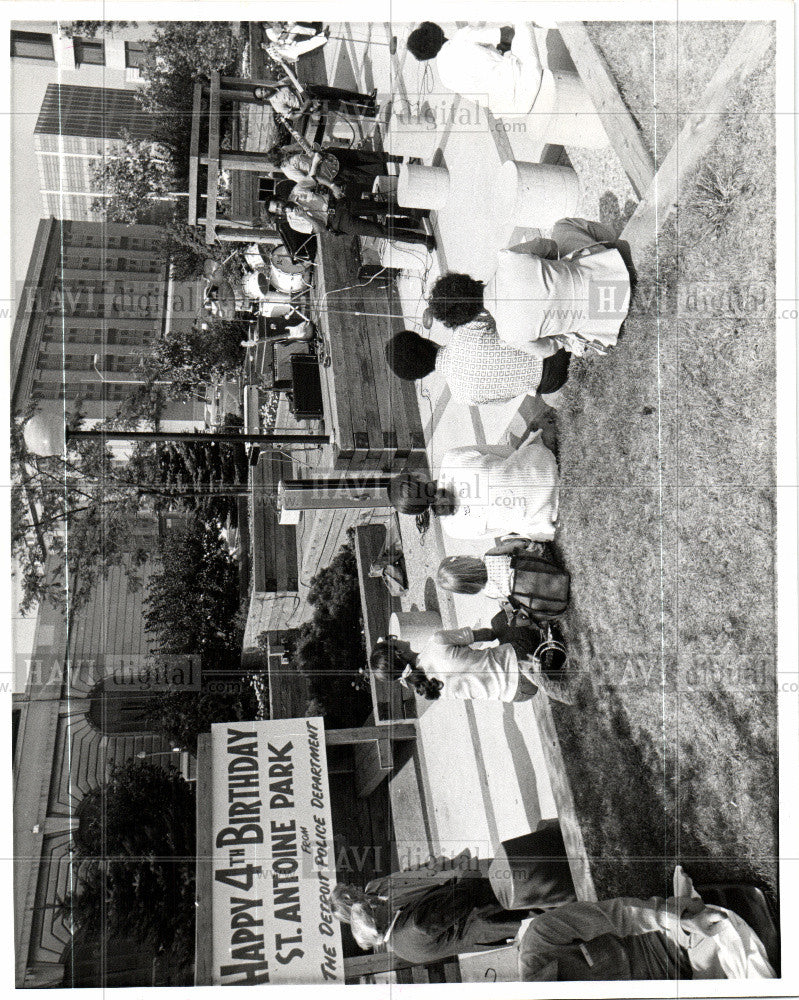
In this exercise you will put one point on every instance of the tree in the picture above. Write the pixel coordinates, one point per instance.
(206, 478)
(135, 184)
(90, 29)
(193, 356)
(82, 507)
(178, 54)
(329, 649)
(192, 603)
(186, 250)
(134, 852)
(181, 716)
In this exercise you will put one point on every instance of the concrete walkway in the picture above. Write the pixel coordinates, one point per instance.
(479, 775)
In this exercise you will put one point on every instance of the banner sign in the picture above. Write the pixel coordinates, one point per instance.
(273, 857)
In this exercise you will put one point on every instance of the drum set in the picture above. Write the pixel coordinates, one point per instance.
(274, 286)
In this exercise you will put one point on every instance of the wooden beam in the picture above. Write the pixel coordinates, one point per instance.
(213, 159)
(203, 933)
(247, 82)
(194, 152)
(564, 801)
(697, 135)
(357, 966)
(621, 127)
(363, 734)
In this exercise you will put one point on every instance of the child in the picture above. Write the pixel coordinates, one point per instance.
(450, 667)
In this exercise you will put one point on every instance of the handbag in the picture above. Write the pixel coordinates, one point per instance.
(540, 590)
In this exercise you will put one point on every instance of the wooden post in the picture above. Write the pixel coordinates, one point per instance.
(204, 873)
(243, 160)
(619, 124)
(337, 492)
(365, 734)
(697, 135)
(213, 159)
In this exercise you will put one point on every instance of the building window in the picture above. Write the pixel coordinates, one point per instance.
(89, 51)
(134, 54)
(117, 712)
(32, 45)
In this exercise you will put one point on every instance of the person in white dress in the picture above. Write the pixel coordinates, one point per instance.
(471, 63)
(484, 491)
(449, 666)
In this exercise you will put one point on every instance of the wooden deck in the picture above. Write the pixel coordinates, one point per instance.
(372, 416)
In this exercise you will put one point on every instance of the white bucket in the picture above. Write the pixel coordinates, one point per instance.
(573, 120)
(415, 627)
(537, 194)
(422, 187)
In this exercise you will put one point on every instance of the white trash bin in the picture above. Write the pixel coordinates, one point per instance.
(536, 194)
(422, 187)
(571, 116)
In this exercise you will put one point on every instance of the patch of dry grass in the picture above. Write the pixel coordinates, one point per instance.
(668, 517)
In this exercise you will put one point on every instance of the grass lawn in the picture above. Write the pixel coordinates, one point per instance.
(668, 510)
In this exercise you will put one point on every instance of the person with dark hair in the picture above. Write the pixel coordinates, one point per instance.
(456, 299)
(477, 366)
(501, 68)
(486, 491)
(450, 667)
(450, 906)
(316, 212)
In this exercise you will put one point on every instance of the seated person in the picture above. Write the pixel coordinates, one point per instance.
(458, 905)
(449, 666)
(485, 491)
(625, 939)
(477, 366)
(493, 575)
(541, 305)
(516, 82)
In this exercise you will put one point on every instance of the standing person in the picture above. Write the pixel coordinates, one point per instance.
(450, 667)
(431, 913)
(314, 212)
(627, 938)
(285, 101)
(335, 167)
(471, 64)
(485, 491)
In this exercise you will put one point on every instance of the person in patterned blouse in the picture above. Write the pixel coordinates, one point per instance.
(477, 366)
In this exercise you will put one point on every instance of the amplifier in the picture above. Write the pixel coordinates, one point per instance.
(306, 387)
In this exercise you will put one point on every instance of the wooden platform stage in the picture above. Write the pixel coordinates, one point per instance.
(372, 416)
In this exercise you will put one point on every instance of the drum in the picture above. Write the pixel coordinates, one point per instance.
(287, 275)
(256, 286)
(257, 257)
